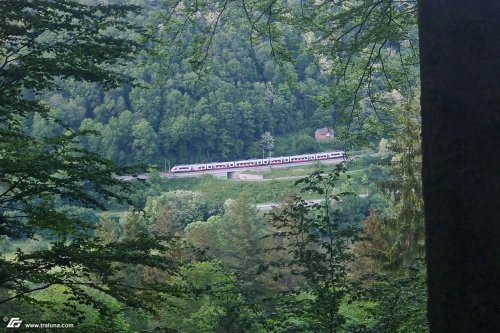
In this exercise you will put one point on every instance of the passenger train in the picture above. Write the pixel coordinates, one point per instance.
(257, 162)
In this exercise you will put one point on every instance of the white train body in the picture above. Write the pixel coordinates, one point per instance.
(257, 162)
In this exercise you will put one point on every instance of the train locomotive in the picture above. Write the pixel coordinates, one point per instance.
(257, 162)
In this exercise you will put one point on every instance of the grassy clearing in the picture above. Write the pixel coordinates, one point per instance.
(354, 167)
(293, 171)
(216, 191)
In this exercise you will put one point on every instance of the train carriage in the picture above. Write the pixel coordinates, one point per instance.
(336, 154)
(246, 163)
(181, 168)
(300, 158)
(199, 167)
(218, 166)
(322, 156)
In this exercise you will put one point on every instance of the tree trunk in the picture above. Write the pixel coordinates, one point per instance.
(460, 70)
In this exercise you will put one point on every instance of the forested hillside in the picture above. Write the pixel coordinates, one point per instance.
(173, 111)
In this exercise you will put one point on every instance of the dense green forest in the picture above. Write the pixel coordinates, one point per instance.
(93, 89)
(177, 111)
(172, 111)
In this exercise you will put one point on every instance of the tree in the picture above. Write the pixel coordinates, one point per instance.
(203, 234)
(144, 145)
(402, 227)
(305, 144)
(218, 306)
(108, 230)
(172, 211)
(398, 301)
(41, 42)
(239, 239)
(460, 107)
(267, 143)
(317, 245)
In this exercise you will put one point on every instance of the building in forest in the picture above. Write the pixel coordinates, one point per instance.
(324, 134)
